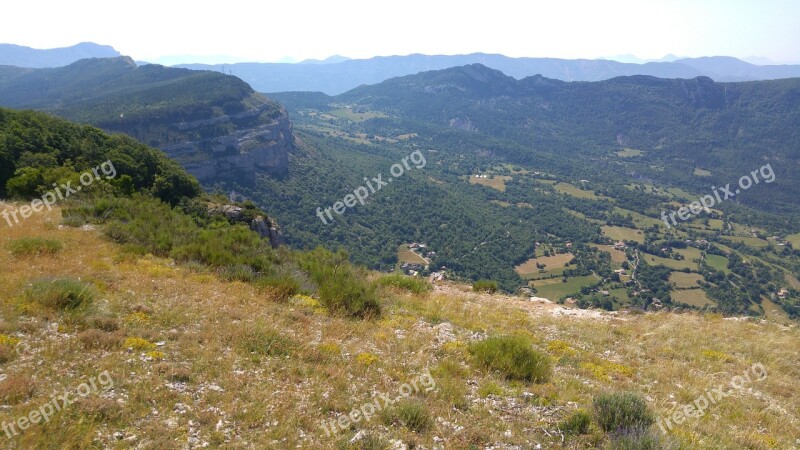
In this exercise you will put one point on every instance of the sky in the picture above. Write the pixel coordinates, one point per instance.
(266, 31)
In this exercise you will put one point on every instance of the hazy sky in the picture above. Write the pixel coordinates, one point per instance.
(271, 30)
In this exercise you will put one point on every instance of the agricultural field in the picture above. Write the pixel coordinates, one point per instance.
(405, 255)
(569, 189)
(698, 172)
(693, 297)
(690, 253)
(528, 269)
(617, 256)
(353, 116)
(640, 220)
(685, 280)
(674, 264)
(749, 241)
(555, 291)
(793, 281)
(623, 234)
(493, 181)
(629, 153)
(718, 262)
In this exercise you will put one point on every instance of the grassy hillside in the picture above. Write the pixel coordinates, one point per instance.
(194, 359)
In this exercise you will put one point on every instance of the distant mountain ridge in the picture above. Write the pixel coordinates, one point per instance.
(334, 78)
(679, 124)
(20, 56)
(214, 124)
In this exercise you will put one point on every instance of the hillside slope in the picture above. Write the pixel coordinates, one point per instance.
(728, 128)
(213, 124)
(191, 360)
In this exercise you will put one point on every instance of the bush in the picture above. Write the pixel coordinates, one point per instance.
(61, 293)
(342, 288)
(280, 288)
(410, 414)
(411, 284)
(622, 412)
(514, 357)
(485, 286)
(34, 246)
(576, 423)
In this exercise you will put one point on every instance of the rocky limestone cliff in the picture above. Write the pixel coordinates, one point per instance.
(264, 146)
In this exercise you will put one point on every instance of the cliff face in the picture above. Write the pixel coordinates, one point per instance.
(263, 146)
(214, 124)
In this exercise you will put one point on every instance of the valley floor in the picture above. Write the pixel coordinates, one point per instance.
(193, 361)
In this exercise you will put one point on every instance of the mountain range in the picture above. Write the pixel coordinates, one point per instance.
(337, 77)
(20, 56)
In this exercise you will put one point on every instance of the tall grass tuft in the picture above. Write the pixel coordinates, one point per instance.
(61, 293)
(514, 357)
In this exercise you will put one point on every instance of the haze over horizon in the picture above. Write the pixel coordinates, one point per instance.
(313, 30)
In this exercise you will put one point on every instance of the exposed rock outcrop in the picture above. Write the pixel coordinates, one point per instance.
(240, 154)
(265, 226)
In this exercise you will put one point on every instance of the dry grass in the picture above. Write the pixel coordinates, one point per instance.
(206, 384)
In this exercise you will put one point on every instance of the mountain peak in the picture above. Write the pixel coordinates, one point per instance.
(20, 56)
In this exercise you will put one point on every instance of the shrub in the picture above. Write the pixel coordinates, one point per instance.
(576, 423)
(485, 286)
(411, 284)
(622, 411)
(279, 288)
(61, 293)
(34, 246)
(514, 357)
(410, 414)
(343, 288)
(137, 343)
